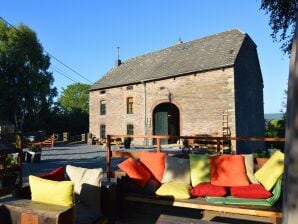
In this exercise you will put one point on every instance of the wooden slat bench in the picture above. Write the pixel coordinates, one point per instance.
(273, 214)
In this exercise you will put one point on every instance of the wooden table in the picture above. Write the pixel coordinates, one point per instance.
(169, 219)
(24, 211)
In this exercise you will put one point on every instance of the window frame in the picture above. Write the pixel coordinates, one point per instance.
(101, 128)
(129, 105)
(103, 107)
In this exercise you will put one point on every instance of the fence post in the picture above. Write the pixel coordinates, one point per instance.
(108, 157)
(158, 145)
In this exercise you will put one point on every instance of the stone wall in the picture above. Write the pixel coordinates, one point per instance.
(200, 97)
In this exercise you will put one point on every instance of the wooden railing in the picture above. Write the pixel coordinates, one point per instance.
(218, 141)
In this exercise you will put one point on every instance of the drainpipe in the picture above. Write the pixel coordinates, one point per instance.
(145, 112)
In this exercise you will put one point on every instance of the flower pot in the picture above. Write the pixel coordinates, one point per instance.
(8, 181)
(33, 157)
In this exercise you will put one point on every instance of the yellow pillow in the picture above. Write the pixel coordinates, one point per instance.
(52, 192)
(174, 189)
(269, 173)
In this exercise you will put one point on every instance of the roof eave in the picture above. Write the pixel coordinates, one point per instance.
(164, 77)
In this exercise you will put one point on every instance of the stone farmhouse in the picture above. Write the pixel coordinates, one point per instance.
(209, 86)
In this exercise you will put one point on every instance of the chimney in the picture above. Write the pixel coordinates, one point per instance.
(179, 41)
(118, 61)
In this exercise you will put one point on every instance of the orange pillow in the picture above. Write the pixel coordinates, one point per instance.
(135, 171)
(228, 171)
(155, 162)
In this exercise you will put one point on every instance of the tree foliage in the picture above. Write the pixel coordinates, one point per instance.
(75, 97)
(25, 82)
(275, 128)
(282, 21)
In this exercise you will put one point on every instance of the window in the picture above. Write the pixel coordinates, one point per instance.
(130, 105)
(102, 131)
(130, 129)
(102, 92)
(129, 87)
(102, 107)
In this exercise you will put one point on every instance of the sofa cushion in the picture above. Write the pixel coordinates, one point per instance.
(155, 162)
(51, 192)
(228, 170)
(269, 173)
(175, 190)
(249, 167)
(87, 184)
(207, 189)
(176, 170)
(135, 171)
(199, 169)
(251, 191)
(56, 174)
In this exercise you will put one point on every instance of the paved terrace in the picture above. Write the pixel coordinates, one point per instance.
(82, 155)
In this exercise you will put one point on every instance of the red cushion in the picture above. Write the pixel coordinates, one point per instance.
(135, 171)
(228, 171)
(56, 174)
(251, 191)
(155, 162)
(207, 189)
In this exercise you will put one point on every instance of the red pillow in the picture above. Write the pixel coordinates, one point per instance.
(135, 171)
(56, 174)
(251, 191)
(207, 189)
(155, 162)
(228, 171)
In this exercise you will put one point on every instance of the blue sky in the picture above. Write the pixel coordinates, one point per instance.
(85, 34)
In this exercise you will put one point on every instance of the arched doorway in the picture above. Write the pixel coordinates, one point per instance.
(166, 121)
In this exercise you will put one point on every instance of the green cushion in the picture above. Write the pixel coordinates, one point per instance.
(230, 200)
(199, 169)
(269, 173)
(175, 190)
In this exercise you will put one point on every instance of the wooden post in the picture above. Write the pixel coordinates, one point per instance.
(20, 161)
(290, 196)
(218, 145)
(158, 145)
(108, 157)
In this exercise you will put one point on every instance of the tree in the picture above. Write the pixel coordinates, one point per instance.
(25, 82)
(75, 97)
(282, 21)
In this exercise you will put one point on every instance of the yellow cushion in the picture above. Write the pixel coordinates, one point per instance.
(52, 192)
(174, 189)
(269, 173)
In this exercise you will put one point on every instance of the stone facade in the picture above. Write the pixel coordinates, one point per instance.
(201, 97)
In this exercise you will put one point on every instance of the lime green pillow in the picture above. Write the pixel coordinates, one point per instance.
(51, 192)
(199, 169)
(174, 189)
(269, 173)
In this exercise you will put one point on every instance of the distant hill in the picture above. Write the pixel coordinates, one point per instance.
(273, 116)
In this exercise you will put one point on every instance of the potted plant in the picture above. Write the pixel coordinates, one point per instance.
(8, 179)
(34, 153)
(127, 141)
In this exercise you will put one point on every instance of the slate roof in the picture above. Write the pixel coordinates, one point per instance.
(211, 52)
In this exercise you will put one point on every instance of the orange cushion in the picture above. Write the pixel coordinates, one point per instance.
(155, 162)
(135, 171)
(228, 171)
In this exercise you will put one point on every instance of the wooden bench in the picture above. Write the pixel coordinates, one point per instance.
(272, 214)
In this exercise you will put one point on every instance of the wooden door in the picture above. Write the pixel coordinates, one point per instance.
(161, 125)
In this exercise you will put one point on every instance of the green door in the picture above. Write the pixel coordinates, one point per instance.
(161, 125)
